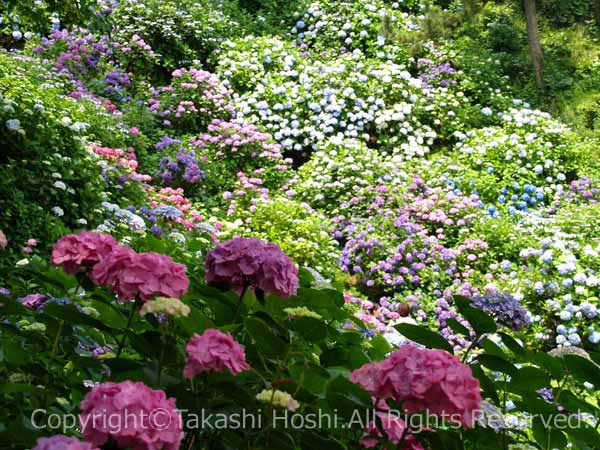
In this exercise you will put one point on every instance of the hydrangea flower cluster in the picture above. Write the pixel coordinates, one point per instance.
(142, 275)
(119, 159)
(340, 101)
(81, 252)
(183, 169)
(504, 308)
(234, 146)
(60, 442)
(423, 380)
(278, 398)
(168, 306)
(214, 351)
(355, 27)
(191, 100)
(131, 398)
(250, 263)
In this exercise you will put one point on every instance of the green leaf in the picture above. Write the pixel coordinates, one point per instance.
(572, 403)
(513, 345)
(328, 303)
(281, 440)
(379, 347)
(195, 322)
(497, 364)
(347, 397)
(529, 379)
(311, 377)
(70, 314)
(311, 329)
(311, 440)
(491, 348)
(534, 404)
(11, 307)
(487, 385)
(266, 340)
(12, 388)
(110, 315)
(458, 327)
(582, 369)
(552, 365)
(545, 435)
(305, 278)
(480, 321)
(424, 336)
(583, 433)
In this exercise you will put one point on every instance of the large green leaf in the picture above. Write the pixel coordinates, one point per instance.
(582, 369)
(328, 303)
(311, 377)
(312, 440)
(529, 379)
(583, 433)
(480, 321)
(487, 385)
(424, 336)
(311, 329)
(70, 314)
(548, 438)
(267, 342)
(497, 364)
(347, 397)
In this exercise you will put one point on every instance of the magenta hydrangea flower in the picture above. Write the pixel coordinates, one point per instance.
(60, 442)
(424, 380)
(133, 415)
(214, 350)
(32, 301)
(250, 262)
(143, 275)
(81, 252)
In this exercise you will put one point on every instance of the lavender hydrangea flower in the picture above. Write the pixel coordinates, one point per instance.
(505, 308)
(546, 394)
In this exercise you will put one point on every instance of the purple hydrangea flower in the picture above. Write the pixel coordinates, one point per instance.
(250, 262)
(505, 308)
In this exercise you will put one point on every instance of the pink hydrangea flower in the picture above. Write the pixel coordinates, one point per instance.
(146, 275)
(250, 262)
(393, 427)
(60, 442)
(134, 131)
(214, 350)
(80, 252)
(133, 415)
(424, 380)
(3, 240)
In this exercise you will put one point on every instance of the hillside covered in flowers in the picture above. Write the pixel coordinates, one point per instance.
(382, 214)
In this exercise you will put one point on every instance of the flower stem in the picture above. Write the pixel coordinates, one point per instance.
(58, 333)
(129, 320)
(239, 305)
(471, 346)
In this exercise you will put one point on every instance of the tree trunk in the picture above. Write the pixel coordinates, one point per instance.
(535, 48)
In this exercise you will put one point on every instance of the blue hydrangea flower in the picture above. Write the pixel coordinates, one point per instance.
(506, 309)
(169, 212)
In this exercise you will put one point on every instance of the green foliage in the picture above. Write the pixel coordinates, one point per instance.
(180, 32)
(49, 180)
(301, 232)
